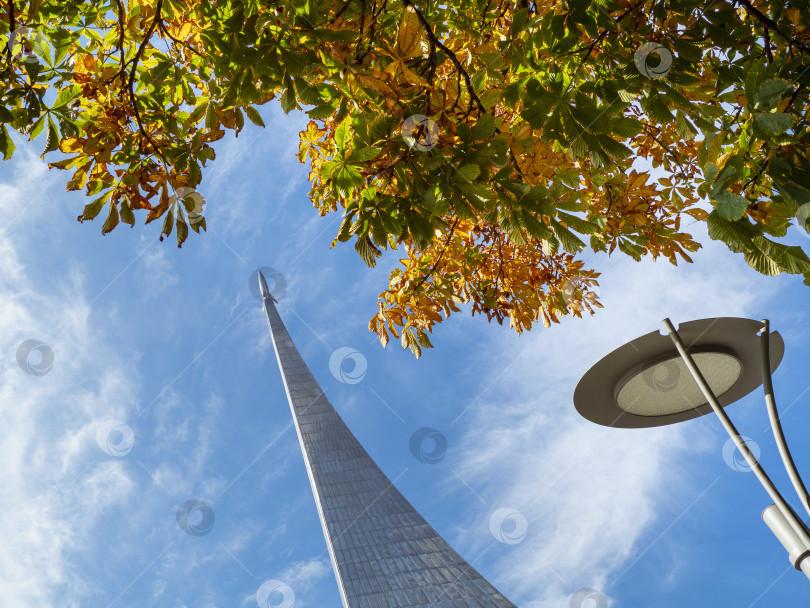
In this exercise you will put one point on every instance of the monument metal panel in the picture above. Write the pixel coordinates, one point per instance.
(385, 555)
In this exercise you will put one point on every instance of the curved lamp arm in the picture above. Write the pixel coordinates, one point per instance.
(798, 526)
(773, 414)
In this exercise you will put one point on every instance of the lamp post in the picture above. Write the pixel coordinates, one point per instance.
(701, 367)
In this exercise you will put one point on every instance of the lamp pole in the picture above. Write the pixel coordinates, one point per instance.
(776, 521)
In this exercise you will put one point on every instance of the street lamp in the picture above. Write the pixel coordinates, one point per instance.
(699, 368)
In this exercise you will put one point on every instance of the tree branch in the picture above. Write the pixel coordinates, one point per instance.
(133, 74)
(438, 259)
(771, 25)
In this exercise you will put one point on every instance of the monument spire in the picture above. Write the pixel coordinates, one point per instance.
(383, 552)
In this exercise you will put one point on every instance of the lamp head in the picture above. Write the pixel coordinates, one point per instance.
(645, 383)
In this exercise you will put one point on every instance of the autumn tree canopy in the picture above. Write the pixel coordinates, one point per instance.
(488, 142)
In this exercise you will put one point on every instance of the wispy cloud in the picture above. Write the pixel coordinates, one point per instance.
(588, 493)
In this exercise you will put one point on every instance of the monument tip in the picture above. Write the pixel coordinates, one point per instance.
(264, 289)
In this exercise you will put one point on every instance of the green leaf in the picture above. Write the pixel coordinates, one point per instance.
(52, 141)
(126, 213)
(731, 206)
(288, 101)
(346, 176)
(485, 127)
(770, 93)
(254, 116)
(340, 135)
(320, 112)
(182, 230)
(93, 209)
(577, 223)
(570, 242)
(368, 252)
(762, 263)
(633, 250)
(112, 219)
(66, 95)
(415, 348)
(519, 18)
(211, 118)
(197, 114)
(306, 92)
(363, 155)
(37, 128)
(468, 172)
(790, 259)
(656, 108)
(774, 124)
(737, 235)
(168, 224)
(423, 338)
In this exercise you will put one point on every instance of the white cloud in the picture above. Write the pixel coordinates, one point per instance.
(155, 270)
(301, 577)
(56, 482)
(588, 492)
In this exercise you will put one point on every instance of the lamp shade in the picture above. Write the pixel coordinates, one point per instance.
(645, 383)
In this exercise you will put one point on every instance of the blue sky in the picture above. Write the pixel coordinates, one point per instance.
(173, 345)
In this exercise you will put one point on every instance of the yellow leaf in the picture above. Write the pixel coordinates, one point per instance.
(375, 84)
(698, 214)
(413, 77)
(410, 35)
(71, 144)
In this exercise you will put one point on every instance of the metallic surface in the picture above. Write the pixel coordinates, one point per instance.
(385, 555)
(595, 395)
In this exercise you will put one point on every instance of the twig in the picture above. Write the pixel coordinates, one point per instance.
(771, 25)
(432, 38)
(121, 30)
(133, 73)
(438, 259)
